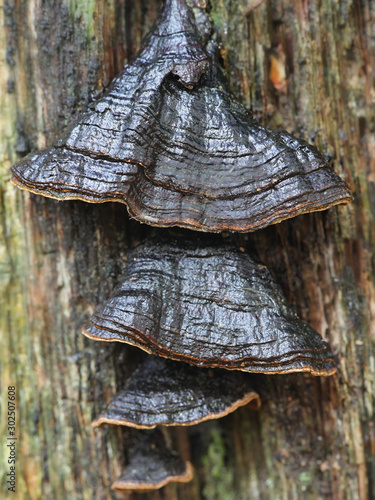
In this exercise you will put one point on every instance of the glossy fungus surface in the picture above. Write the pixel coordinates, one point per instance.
(152, 465)
(171, 142)
(212, 306)
(163, 392)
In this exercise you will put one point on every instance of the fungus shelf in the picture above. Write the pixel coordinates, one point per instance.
(212, 306)
(171, 142)
(162, 392)
(152, 465)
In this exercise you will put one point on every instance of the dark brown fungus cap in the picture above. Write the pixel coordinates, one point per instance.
(152, 465)
(170, 141)
(210, 306)
(162, 392)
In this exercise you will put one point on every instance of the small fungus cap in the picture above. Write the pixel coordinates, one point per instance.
(152, 465)
(162, 392)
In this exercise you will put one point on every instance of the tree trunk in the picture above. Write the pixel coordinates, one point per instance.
(302, 65)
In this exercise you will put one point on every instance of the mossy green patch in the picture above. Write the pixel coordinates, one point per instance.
(82, 11)
(219, 476)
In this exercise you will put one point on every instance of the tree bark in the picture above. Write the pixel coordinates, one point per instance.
(302, 65)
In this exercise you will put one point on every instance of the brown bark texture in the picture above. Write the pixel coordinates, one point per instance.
(302, 65)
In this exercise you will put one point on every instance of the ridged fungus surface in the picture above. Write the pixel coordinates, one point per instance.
(152, 465)
(163, 392)
(211, 306)
(171, 142)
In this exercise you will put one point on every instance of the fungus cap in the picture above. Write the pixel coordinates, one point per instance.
(152, 465)
(171, 142)
(163, 392)
(212, 306)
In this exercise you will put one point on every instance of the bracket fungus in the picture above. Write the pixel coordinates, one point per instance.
(211, 306)
(171, 142)
(152, 465)
(163, 392)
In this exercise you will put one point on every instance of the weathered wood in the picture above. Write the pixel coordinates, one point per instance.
(301, 65)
